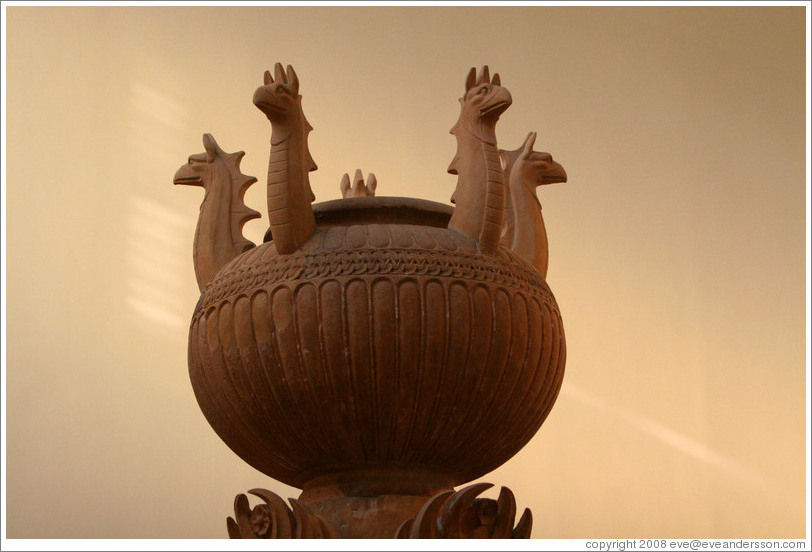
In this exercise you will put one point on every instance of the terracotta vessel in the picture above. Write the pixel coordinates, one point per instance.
(375, 351)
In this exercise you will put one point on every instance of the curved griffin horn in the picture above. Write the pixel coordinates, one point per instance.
(372, 182)
(470, 80)
(484, 76)
(212, 149)
(527, 147)
(267, 78)
(279, 73)
(496, 80)
(292, 78)
(345, 185)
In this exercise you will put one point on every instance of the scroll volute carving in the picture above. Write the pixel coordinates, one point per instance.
(462, 515)
(273, 519)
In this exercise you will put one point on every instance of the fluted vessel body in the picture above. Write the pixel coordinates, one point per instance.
(387, 342)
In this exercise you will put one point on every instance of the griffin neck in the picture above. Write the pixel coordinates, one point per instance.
(213, 245)
(289, 192)
(508, 158)
(479, 196)
(529, 234)
(218, 236)
(524, 230)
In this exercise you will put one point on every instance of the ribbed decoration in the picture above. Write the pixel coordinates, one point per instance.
(380, 365)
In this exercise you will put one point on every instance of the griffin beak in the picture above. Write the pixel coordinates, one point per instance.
(555, 173)
(187, 177)
(498, 103)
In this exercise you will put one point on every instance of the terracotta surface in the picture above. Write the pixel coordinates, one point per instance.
(378, 352)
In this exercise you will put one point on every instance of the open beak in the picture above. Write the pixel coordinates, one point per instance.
(555, 173)
(187, 177)
(497, 104)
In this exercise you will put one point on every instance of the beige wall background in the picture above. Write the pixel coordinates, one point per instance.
(677, 246)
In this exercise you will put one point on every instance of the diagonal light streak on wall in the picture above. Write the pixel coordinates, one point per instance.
(665, 434)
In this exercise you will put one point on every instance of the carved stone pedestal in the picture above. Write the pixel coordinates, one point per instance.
(377, 353)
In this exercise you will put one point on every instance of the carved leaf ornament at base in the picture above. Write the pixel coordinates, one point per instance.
(446, 515)
(274, 519)
(461, 515)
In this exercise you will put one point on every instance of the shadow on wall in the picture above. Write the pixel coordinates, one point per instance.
(158, 234)
(156, 263)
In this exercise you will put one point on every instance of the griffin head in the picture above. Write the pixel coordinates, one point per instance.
(278, 98)
(196, 171)
(485, 98)
(538, 167)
